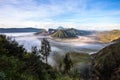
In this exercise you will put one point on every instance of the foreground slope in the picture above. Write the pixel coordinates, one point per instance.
(107, 62)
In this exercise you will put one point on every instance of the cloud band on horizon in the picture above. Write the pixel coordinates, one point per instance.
(69, 13)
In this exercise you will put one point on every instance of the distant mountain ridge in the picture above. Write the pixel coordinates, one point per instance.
(78, 32)
(61, 28)
(11, 30)
(109, 36)
(63, 34)
(68, 33)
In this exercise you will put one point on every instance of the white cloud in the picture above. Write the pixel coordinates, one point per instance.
(68, 13)
(23, 9)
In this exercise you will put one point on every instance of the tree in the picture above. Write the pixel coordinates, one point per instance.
(2, 76)
(17, 64)
(45, 49)
(68, 63)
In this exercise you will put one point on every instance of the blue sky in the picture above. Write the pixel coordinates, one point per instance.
(82, 14)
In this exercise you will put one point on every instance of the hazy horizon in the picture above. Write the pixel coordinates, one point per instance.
(80, 14)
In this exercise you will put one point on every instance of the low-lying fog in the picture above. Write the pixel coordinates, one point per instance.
(85, 44)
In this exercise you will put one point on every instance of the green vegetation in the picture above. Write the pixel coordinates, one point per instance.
(79, 63)
(107, 62)
(17, 64)
(65, 78)
(109, 36)
(67, 63)
(76, 57)
(45, 49)
(80, 57)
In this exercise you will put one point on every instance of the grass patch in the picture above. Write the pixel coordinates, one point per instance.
(76, 58)
(79, 57)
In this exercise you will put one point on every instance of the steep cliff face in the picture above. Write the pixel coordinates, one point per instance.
(107, 62)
